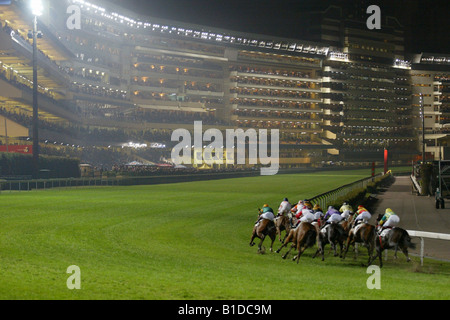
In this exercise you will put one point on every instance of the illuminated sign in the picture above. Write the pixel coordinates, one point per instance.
(17, 149)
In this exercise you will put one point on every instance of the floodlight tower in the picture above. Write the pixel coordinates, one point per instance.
(37, 10)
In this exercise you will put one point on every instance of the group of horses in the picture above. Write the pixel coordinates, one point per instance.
(344, 235)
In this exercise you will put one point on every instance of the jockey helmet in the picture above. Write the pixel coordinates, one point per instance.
(316, 207)
(285, 199)
(389, 210)
(266, 205)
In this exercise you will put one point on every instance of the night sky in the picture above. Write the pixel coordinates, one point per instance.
(427, 22)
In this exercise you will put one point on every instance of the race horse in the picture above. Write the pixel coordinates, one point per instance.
(347, 224)
(302, 237)
(364, 233)
(394, 238)
(335, 235)
(262, 229)
(282, 223)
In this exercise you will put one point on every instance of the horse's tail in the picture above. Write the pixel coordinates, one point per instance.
(311, 237)
(372, 236)
(408, 241)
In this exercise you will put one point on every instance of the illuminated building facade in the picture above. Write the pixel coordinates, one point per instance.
(366, 80)
(430, 76)
(344, 94)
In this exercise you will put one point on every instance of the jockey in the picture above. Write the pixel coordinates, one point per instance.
(297, 209)
(318, 213)
(362, 215)
(284, 208)
(308, 204)
(266, 213)
(346, 210)
(389, 220)
(307, 215)
(317, 208)
(305, 208)
(333, 216)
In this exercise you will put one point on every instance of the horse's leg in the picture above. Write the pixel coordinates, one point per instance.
(319, 249)
(315, 254)
(355, 249)
(380, 258)
(349, 242)
(378, 254)
(286, 234)
(286, 240)
(278, 231)
(335, 248)
(272, 238)
(260, 243)
(395, 251)
(322, 249)
(340, 249)
(286, 254)
(300, 252)
(405, 252)
(253, 237)
(282, 246)
(370, 248)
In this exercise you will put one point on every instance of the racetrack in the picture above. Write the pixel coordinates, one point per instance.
(183, 241)
(417, 213)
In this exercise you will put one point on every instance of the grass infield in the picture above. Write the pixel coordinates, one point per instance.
(185, 241)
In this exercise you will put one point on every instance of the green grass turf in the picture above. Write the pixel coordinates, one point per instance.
(183, 241)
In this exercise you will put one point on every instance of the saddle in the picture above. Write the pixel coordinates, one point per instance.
(384, 232)
(357, 227)
(269, 227)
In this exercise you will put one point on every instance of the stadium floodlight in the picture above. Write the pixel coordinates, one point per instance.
(37, 7)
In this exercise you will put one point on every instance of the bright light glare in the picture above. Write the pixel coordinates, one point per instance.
(36, 7)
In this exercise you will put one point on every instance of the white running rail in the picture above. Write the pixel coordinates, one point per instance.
(429, 235)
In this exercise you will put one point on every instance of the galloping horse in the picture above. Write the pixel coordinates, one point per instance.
(282, 223)
(347, 224)
(366, 234)
(261, 230)
(397, 238)
(302, 237)
(333, 234)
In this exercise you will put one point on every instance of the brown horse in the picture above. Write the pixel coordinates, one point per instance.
(262, 229)
(302, 237)
(365, 234)
(282, 223)
(347, 224)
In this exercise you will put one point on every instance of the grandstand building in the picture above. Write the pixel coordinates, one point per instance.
(430, 77)
(366, 78)
(133, 77)
(344, 94)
